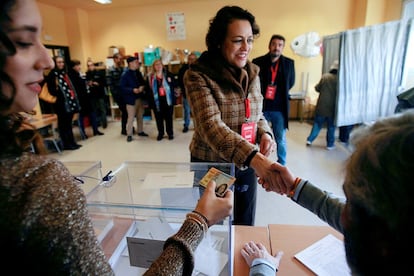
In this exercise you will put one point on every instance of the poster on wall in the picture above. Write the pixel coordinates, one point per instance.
(175, 26)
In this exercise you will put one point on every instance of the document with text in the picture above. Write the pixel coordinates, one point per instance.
(325, 257)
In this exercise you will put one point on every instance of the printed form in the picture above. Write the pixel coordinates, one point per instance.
(325, 257)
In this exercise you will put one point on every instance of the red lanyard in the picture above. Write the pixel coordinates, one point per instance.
(247, 108)
(274, 71)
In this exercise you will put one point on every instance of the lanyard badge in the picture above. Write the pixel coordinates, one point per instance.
(270, 92)
(248, 129)
(271, 88)
(161, 91)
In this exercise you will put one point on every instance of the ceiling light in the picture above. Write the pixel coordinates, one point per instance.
(104, 1)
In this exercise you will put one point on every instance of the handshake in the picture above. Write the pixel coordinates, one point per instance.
(277, 178)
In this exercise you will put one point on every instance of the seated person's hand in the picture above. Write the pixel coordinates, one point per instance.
(252, 251)
(215, 208)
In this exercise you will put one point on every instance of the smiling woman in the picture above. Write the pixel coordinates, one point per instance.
(44, 220)
(26, 41)
(223, 88)
(224, 91)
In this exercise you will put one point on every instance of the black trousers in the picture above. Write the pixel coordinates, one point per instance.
(65, 128)
(245, 194)
(344, 133)
(164, 115)
(122, 108)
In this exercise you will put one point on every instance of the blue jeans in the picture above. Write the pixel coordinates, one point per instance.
(186, 112)
(318, 122)
(279, 132)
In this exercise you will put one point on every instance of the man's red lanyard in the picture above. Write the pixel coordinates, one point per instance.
(274, 70)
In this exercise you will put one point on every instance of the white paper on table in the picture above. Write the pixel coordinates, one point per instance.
(168, 180)
(325, 257)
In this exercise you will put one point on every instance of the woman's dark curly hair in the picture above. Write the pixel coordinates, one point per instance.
(218, 26)
(15, 134)
(6, 49)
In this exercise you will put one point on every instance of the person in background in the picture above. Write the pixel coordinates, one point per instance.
(131, 86)
(162, 99)
(376, 215)
(67, 102)
(277, 77)
(141, 102)
(187, 111)
(44, 219)
(96, 81)
(326, 107)
(344, 134)
(113, 80)
(223, 89)
(86, 110)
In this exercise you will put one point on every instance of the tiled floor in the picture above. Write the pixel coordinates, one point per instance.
(315, 163)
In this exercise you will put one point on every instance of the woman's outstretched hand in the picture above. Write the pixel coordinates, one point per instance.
(215, 208)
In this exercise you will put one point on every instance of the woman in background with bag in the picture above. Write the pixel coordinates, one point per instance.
(66, 105)
(162, 98)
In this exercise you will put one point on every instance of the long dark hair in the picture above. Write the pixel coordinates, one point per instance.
(218, 26)
(6, 49)
(16, 135)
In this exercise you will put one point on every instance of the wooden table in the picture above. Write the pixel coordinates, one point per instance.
(243, 234)
(287, 238)
(44, 121)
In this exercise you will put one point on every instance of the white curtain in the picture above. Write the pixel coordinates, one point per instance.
(331, 47)
(408, 71)
(370, 72)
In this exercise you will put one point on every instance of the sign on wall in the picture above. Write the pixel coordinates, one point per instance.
(175, 26)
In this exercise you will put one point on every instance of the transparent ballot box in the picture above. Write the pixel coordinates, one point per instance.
(88, 173)
(142, 204)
